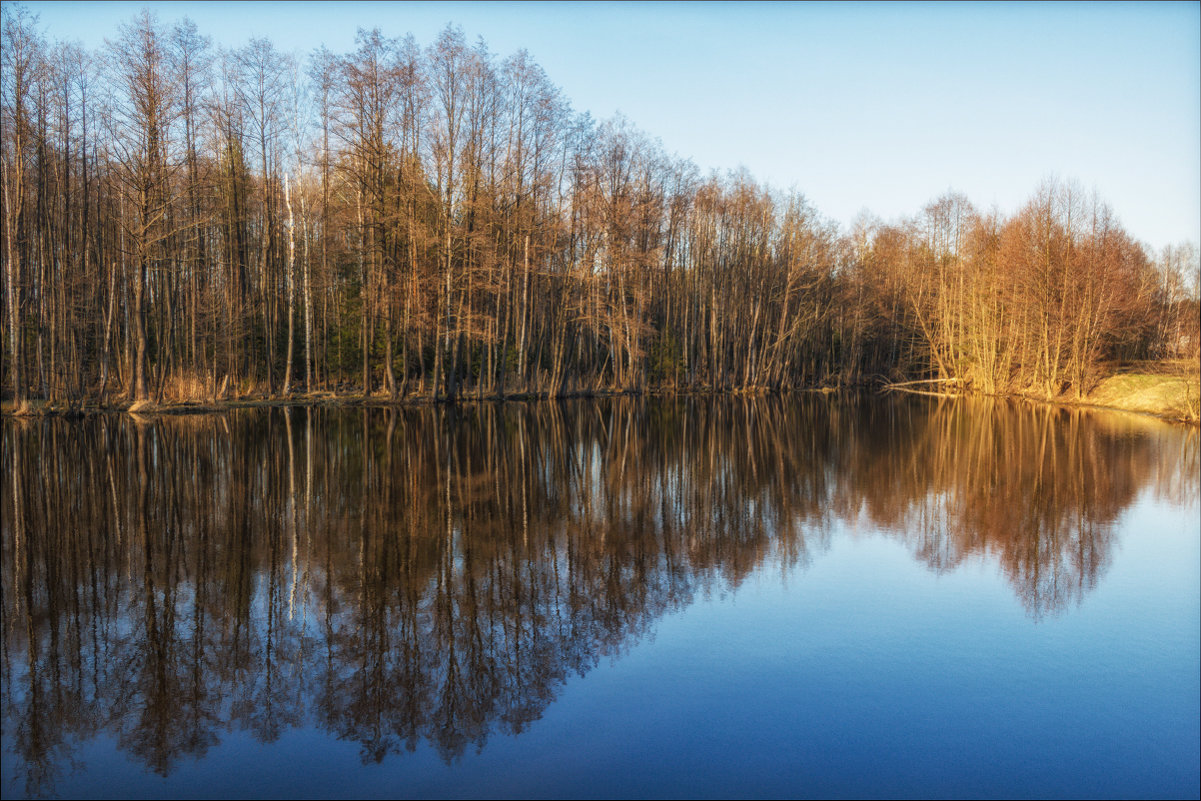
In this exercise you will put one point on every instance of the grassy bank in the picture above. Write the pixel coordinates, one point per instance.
(1170, 390)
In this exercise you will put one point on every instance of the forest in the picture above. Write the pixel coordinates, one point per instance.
(184, 222)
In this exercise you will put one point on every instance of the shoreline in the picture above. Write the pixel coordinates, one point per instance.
(350, 400)
(1097, 400)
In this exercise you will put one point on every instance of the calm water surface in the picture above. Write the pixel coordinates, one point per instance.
(809, 597)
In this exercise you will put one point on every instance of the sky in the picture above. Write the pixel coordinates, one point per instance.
(880, 107)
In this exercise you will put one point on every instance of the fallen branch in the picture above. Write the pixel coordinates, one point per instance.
(925, 381)
(901, 386)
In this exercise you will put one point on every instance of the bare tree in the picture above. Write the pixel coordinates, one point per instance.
(22, 55)
(145, 104)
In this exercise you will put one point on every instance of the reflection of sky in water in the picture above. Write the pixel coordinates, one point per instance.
(871, 644)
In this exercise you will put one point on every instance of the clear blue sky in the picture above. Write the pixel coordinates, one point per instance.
(876, 106)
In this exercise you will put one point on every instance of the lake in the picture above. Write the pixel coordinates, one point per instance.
(815, 596)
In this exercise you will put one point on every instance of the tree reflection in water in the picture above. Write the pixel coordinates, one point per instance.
(400, 575)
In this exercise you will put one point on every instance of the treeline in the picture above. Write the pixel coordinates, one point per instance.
(182, 221)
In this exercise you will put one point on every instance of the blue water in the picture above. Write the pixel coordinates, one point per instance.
(890, 636)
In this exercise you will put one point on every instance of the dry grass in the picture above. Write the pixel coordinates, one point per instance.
(1176, 396)
(193, 389)
(18, 410)
(182, 388)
